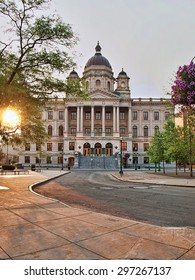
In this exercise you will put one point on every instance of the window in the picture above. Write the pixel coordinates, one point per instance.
(122, 115)
(146, 160)
(87, 115)
(73, 130)
(60, 146)
(73, 115)
(134, 116)
(167, 115)
(98, 83)
(27, 147)
(37, 161)
(71, 146)
(49, 130)
(134, 131)
(97, 116)
(156, 129)
(122, 131)
(50, 115)
(27, 159)
(146, 146)
(156, 116)
(38, 147)
(61, 115)
(108, 85)
(108, 131)
(145, 131)
(98, 131)
(49, 159)
(60, 160)
(49, 147)
(135, 147)
(145, 115)
(87, 131)
(124, 146)
(61, 130)
(108, 115)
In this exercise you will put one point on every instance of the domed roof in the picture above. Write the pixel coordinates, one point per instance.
(73, 74)
(98, 59)
(122, 73)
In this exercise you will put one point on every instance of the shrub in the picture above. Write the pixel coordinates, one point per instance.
(8, 167)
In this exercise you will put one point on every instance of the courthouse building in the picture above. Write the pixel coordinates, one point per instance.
(91, 133)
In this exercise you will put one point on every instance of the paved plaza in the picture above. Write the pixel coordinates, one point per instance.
(35, 227)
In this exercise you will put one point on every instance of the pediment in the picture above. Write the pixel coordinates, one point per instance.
(103, 95)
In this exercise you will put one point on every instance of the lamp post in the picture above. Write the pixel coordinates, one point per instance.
(62, 159)
(121, 157)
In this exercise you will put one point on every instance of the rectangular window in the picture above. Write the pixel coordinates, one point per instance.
(60, 160)
(135, 147)
(73, 130)
(60, 146)
(27, 159)
(49, 159)
(49, 147)
(98, 131)
(108, 131)
(73, 115)
(61, 115)
(167, 114)
(146, 146)
(124, 146)
(135, 131)
(71, 146)
(156, 116)
(146, 160)
(37, 161)
(87, 115)
(50, 115)
(38, 147)
(122, 131)
(108, 116)
(122, 115)
(27, 147)
(98, 116)
(134, 117)
(87, 131)
(145, 116)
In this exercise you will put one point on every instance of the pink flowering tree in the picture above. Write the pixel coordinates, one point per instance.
(183, 89)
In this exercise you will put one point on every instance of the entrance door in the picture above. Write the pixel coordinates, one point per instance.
(71, 161)
(108, 149)
(86, 149)
(98, 149)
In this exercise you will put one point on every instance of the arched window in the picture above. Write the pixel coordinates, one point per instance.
(108, 85)
(49, 130)
(61, 130)
(134, 131)
(145, 131)
(98, 83)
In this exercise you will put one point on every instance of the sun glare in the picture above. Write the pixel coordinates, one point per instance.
(10, 118)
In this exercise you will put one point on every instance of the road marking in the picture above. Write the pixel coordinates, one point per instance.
(3, 188)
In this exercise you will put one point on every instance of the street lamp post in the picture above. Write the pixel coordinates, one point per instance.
(62, 159)
(121, 158)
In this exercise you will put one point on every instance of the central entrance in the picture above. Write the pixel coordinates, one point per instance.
(98, 149)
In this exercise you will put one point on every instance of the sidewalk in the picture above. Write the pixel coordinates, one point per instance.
(34, 227)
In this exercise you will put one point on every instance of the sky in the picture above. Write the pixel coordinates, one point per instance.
(150, 39)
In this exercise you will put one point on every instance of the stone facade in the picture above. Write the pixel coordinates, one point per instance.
(110, 121)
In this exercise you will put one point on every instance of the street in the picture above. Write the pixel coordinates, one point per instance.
(99, 191)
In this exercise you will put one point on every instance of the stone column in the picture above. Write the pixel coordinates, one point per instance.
(129, 122)
(92, 121)
(78, 119)
(117, 119)
(81, 124)
(114, 119)
(103, 120)
(66, 121)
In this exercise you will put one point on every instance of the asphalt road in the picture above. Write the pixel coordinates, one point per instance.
(99, 191)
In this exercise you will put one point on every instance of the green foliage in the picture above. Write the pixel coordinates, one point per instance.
(8, 167)
(32, 62)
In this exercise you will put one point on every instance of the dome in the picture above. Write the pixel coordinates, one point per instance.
(73, 74)
(98, 59)
(122, 73)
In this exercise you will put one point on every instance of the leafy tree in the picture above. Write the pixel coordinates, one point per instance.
(156, 151)
(32, 61)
